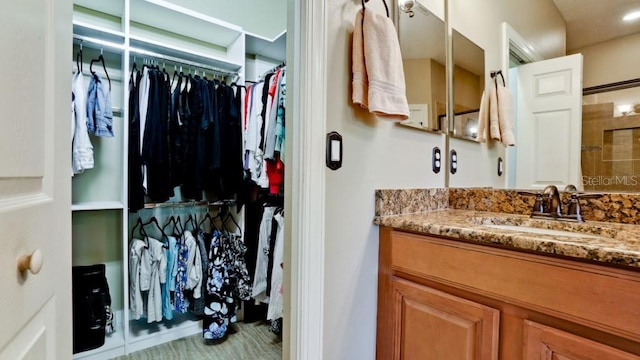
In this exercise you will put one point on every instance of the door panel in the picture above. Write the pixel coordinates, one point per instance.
(542, 342)
(37, 340)
(549, 123)
(35, 204)
(430, 325)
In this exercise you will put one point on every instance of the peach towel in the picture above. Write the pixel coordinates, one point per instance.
(496, 115)
(360, 86)
(378, 74)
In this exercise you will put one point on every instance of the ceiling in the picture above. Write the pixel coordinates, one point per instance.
(593, 21)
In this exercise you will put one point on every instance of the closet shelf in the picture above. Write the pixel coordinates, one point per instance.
(113, 347)
(270, 48)
(112, 8)
(98, 205)
(98, 33)
(144, 46)
(185, 22)
(143, 336)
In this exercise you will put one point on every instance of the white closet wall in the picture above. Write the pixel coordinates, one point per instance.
(123, 31)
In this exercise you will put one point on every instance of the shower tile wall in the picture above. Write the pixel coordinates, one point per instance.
(610, 150)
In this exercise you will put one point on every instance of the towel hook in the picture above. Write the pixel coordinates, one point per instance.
(383, 1)
(494, 76)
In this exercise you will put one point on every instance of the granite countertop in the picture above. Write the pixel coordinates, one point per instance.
(600, 242)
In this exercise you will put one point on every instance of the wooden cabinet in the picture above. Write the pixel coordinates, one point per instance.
(544, 342)
(430, 324)
(446, 299)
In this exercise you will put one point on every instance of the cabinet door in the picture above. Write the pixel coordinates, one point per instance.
(430, 325)
(546, 343)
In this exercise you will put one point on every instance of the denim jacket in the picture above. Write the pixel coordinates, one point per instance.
(99, 113)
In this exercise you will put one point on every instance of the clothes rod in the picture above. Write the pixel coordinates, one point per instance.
(276, 68)
(183, 204)
(182, 61)
(100, 42)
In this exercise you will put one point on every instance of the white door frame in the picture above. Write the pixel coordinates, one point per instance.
(305, 180)
(512, 39)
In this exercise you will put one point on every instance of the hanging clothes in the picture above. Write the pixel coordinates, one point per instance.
(189, 137)
(259, 289)
(181, 301)
(138, 259)
(99, 112)
(227, 285)
(168, 286)
(82, 149)
(157, 276)
(276, 298)
(155, 147)
(264, 131)
(135, 182)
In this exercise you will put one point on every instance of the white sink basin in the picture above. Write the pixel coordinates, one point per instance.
(535, 230)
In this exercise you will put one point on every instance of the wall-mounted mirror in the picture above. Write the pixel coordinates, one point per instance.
(422, 42)
(606, 143)
(468, 84)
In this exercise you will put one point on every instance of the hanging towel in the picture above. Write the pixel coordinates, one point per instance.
(505, 115)
(494, 120)
(496, 115)
(359, 82)
(378, 75)
(483, 117)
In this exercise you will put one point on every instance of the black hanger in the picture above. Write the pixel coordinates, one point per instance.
(171, 221)
(138, 223)
(212, 224)
(134, 69)
(153, 220)
(79, 59)
(194, 221)
(104, 67)
(229, 216)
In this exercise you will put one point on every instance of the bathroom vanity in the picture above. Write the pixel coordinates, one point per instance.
(463, 284)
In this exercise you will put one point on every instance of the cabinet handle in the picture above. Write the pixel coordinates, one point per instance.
(32, 262)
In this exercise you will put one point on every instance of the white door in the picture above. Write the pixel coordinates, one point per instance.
(35, 184)
(549, 123)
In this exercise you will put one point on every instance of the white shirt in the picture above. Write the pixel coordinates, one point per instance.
(82, 150)
(136, 251)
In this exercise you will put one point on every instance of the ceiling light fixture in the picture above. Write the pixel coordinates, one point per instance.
(632, 16)
(625, 109)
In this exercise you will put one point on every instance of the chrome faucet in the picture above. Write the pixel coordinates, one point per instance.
(551, 203)
(548, 203)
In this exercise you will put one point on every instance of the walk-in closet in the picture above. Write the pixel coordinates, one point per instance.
(178, 123)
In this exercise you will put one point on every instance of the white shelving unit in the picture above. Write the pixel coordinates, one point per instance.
(123, 30)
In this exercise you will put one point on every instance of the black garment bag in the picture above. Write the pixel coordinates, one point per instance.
(91, 306)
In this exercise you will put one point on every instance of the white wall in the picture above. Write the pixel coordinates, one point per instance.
(256, 66)
(378, 154)
(611, 61)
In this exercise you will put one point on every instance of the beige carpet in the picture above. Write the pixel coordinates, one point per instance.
(249, 342)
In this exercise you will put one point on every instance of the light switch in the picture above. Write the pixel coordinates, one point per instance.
(335, 150)
(453, 166)
(333, 156)
(436, 163)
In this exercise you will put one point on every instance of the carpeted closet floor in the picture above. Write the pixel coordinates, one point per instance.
(251, 341)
